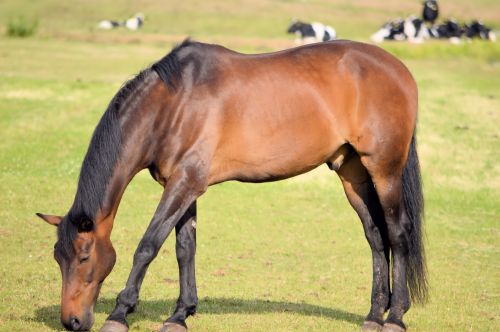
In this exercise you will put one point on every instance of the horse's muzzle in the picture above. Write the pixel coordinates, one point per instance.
(74, 323)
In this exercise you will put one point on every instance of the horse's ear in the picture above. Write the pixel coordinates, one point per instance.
(53, 220)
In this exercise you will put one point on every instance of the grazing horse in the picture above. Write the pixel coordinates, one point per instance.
(203, 115)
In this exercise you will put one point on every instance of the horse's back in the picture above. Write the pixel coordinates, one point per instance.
(281, 114)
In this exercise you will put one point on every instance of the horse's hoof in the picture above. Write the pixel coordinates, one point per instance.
(173, 327)
(389, 327)
(113, 326)
(369, 325)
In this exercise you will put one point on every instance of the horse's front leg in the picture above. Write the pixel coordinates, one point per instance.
(185, 249)
(180, 193)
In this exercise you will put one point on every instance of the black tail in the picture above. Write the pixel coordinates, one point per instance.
(413, 199)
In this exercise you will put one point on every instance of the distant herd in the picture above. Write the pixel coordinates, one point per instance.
(413, 29)
(417, 29)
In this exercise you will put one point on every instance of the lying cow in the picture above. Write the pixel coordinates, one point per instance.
(133, 23)
(477, 29)
(308, 33)
(411, 29)
(391, 30)
(450, 30)
(109, 24)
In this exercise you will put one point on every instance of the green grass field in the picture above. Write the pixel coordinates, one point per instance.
(285, 256)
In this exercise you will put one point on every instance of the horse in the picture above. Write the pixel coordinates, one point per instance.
(204, 114)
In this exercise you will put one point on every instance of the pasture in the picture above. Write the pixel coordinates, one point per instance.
(283, 256)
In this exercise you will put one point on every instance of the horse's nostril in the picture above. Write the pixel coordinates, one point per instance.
(75, 324)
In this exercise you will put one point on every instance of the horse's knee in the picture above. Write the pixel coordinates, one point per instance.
(145, 252)
(374, 237)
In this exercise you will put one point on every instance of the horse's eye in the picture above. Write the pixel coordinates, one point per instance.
(84, 259)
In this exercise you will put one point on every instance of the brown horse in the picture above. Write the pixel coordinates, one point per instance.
(203, 115)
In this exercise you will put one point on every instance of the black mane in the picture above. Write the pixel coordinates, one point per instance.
(97, 167)
(169, 68)
(102, 154)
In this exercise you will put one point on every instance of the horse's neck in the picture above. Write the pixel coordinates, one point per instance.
(115, 154)
(106, 171)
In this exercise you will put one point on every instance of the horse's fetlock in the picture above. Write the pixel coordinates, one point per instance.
(190, 310)
(187, 302)
(128, 298)
(406, 306)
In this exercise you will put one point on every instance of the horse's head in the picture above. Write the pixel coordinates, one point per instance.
(86, 257)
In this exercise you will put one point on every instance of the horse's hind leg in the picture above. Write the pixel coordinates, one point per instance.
(388, 183)
(361, 194)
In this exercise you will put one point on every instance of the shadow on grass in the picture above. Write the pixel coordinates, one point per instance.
(158, 310)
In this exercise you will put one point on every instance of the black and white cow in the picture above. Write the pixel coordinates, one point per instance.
(415, 30)
(411, 29)
(450, 30)
(430, 12)
(391, 30)
(476, 29)
(108, 24)
(135, 22)
(311, 32)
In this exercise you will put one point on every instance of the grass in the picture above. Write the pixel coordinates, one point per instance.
(20, 27)
(285, 256)
(243, 18)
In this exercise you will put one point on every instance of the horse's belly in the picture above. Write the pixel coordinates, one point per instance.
(270, 149)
